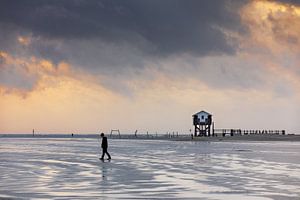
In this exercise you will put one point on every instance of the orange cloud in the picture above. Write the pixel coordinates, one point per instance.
(22, 74)
(272, 25)
(274, 38)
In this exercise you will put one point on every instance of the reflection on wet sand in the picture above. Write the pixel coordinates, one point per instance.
(66, 168)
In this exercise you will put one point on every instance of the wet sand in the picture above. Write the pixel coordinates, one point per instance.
(69, 168)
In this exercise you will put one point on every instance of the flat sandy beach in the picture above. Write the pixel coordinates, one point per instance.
(69, 168)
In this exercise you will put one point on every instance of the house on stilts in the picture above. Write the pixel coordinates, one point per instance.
(203, 124)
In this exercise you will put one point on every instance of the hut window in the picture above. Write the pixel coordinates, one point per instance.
(202, 117)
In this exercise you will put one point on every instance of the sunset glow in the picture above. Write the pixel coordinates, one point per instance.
(89, 83)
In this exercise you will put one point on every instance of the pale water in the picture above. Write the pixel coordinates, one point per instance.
(65, 168)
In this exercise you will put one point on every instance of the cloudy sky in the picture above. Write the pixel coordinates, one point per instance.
(89, 66)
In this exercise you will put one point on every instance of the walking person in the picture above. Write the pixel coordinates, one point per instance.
(104, 146)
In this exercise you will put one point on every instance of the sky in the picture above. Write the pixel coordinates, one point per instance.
(91, 66)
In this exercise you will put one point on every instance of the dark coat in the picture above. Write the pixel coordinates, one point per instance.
(104, 144)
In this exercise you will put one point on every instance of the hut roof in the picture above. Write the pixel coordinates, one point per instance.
(202, 112)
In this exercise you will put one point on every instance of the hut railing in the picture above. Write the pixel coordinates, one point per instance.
(232, 132)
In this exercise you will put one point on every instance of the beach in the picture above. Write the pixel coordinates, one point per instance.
(69, 168)
(194, 99)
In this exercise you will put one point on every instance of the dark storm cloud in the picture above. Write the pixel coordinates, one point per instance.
(120, 40)
(167, 27)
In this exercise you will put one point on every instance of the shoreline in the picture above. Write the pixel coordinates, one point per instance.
(261, 137)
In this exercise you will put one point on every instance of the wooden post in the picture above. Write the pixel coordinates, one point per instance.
(135, 133)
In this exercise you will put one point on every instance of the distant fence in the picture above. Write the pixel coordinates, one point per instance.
(232, 132)
(147, 135)
(215, 132)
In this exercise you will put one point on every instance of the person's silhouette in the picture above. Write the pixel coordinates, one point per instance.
(104, 146)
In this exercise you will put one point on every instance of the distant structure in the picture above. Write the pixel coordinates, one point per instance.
(135, 133)
(202, 122)
(115, 130)
(204, 126)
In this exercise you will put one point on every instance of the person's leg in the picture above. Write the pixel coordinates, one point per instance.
(103, 153)
(108, 155)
